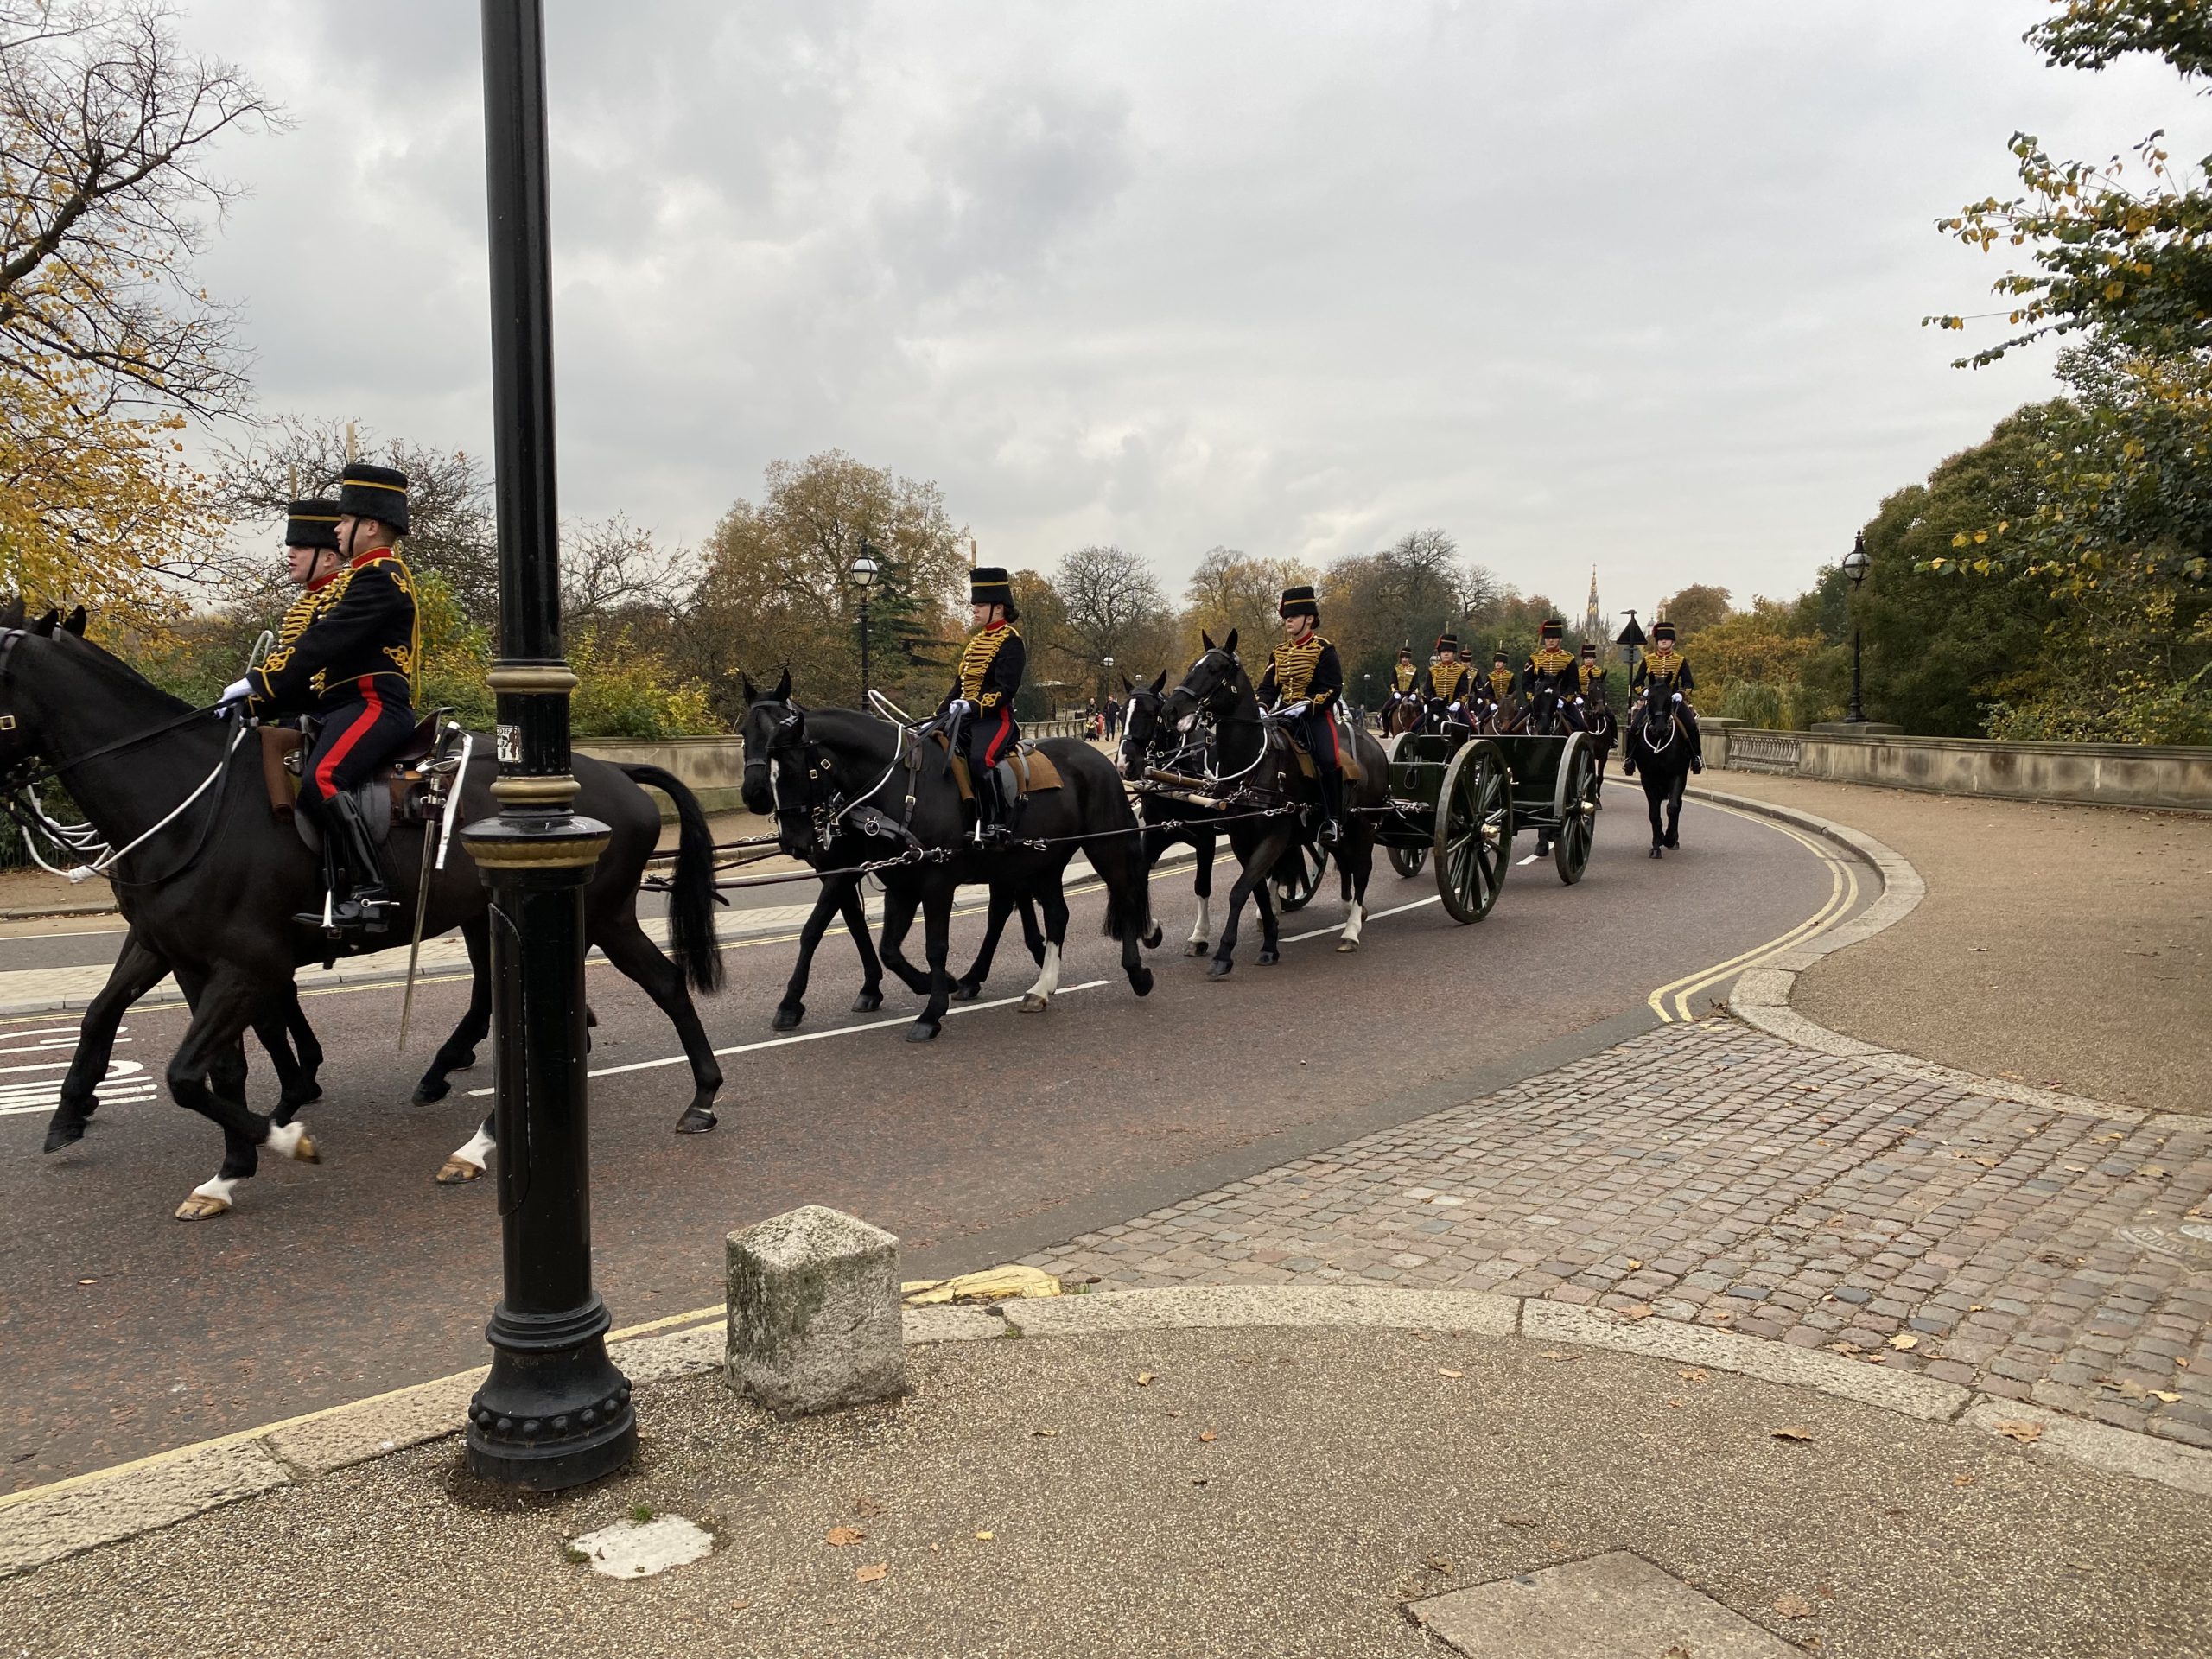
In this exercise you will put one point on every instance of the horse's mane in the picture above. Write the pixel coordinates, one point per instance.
(115, 671)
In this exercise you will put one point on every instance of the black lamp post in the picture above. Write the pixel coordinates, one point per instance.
(864, 572)
(554, 1411)
(1855, 566)
(1631, 637)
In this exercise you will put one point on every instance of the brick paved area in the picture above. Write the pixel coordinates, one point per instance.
(1713, 1173)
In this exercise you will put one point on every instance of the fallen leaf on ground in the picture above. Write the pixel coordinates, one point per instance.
(2125, 1387)
(1694, 1373)
(1790, 1605)
(1044, 1433)
(866, 1505)
(1557, 1545)
(1640, 1310)
(2025, 1434)
(1517, 1520)
(1905, 1339)
(1208, 1435)
(739, 1606)
(1791, 1433)
(1961, 1480)
(1443, 1371)
(1678, 1651)
(2166, 1394)
(1553, 1353)
(840, 1537)
(1672, 1405)
(870, 1574)
(1439, 1563)
(985, 1537)
(1634, 1265)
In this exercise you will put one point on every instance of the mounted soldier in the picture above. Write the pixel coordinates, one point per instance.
(1448, 682)
(1664, 674)
(979, 709)
(1304, 676)
(1404, 675)
(1500, 676)
(1590, 678)
(1552, 669)
(348, 657)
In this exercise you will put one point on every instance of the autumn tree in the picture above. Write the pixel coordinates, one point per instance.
(1231, 592)
(1114, 607)
(1694, 608)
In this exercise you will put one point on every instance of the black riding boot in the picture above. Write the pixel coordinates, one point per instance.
(359, 901)
(1697, 746)
(1332, 805)
(991, 828)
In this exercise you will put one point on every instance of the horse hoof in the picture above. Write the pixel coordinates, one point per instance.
(867, 1002)
(430, 1090)
(466, 1062)
(1346, 946)
(1033, 1003)
(922, 1031)
(64, 1134)
(456, 1171)
(1151, 939)
(1220, 969)
(202, 1206)
(1141, 980)
(787, 1017)
(1198, 947)
(292, 1141)
(313, 1093)
(1655, 853)
(696, 1120)
(1269, 955)
(1674, 846)
(964, 992)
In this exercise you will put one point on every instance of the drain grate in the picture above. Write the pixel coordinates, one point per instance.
(2185, 1241)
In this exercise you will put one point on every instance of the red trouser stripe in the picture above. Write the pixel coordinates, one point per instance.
(371, 709)
(998, 738)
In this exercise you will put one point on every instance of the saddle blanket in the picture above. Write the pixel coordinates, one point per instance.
(398, 792)
(1347, 751)
(1024, 772)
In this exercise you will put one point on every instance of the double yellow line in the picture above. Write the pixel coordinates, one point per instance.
(1671, 1001)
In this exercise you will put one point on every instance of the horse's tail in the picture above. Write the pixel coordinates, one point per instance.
(1120, 861)
(691, 888)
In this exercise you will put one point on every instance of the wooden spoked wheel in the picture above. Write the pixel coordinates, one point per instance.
(1298, 877)
(1407, 860)
(1474, 831)
(1575, 803)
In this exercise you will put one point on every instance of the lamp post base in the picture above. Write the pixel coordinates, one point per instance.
(555, 1412)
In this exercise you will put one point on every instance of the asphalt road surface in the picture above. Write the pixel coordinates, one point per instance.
(123, 1332)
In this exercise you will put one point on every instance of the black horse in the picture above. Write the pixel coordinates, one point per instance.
(213, 891)
(1658, 753)
(848, 844)
(863, 764)
(1149, 743)
(1605, 728)
(1251, 756)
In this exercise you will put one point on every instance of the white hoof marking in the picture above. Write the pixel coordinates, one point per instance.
(478, 1152)
(1202, 930)
(1353, 924)
(1048, 980)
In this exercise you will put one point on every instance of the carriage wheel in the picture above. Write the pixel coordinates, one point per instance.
(1574, 803)
(1474, 831)
(1297, 877)
(1407, 860)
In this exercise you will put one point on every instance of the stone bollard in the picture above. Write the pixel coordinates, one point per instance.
(814, 1314)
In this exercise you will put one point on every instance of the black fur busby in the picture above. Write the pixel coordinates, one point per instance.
(311, 523)
(1589, 650)
(1448, 642)
(1553, 628)
(1662, 631)
(1300, 602)
(988, 585)
(377, 493)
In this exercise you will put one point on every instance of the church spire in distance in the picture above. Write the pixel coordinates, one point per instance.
(1593, 619)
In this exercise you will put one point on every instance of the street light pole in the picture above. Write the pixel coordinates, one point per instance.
(1855, 566)
(554, 1411)
(864, 573)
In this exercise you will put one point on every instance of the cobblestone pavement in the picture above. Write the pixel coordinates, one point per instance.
(1712, 1173)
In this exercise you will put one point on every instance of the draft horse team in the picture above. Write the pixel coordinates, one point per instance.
(308, 815)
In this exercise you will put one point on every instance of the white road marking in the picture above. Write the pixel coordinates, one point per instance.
(127, 1081)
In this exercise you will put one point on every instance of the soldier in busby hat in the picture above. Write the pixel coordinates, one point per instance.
(350, 661)
(1304, 673)
(1448, 680)
(1664, 673)
(979, 709)
(1500, 676)
(1592, 672)
(1404, 675)
(1551, 668)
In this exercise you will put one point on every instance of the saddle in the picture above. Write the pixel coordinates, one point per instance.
(1024, 771)
(1282, 736)
(404, 791)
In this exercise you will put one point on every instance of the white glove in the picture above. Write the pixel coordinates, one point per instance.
(962, 706)
(236, 691)
(1578, 702)
(1456, 708)
(1678, 696)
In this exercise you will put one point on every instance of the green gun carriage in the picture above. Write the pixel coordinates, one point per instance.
(1461, 798)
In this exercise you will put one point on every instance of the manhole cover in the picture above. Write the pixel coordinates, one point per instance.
(2182, 1241)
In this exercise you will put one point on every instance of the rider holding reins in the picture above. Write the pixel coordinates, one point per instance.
(1664, 673)
(1500, 676)
(1303, 673)
(1552, 669)
(1403, 676)
(979, 709)
(348, 653)
(1448, 682)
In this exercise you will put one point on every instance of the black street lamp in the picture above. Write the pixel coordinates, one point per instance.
(1631, 637)
(1855, 566)
(555, 1412)
(864, 572)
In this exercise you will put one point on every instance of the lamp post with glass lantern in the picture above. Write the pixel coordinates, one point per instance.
(864, 572)
(1855, 566)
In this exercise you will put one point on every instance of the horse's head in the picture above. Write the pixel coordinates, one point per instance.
(763, 715)
(799, 784)
(19, 727)
(1543, 709)
(1214, 686)
(1143, 727)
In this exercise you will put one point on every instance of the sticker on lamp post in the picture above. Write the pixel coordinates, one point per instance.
(510, 745)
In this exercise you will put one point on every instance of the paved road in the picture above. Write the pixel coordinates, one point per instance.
(122, 1331)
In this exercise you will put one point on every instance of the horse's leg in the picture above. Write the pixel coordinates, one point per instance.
(970, 985)
(1202, 842)
(1270, 924)
(1255, 870)
(856, 911)
(221, 1010)
(294, 1039)
(136, 971)
(1358, 860)
(1038, 997)
(936, 919)
(1674, 810)
(642, 962)
(458, 1052)
(1652, 796)
(827, 903)
(899, 904)
(466, 1163)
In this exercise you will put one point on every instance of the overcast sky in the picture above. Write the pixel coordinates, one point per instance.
(1622, 282)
